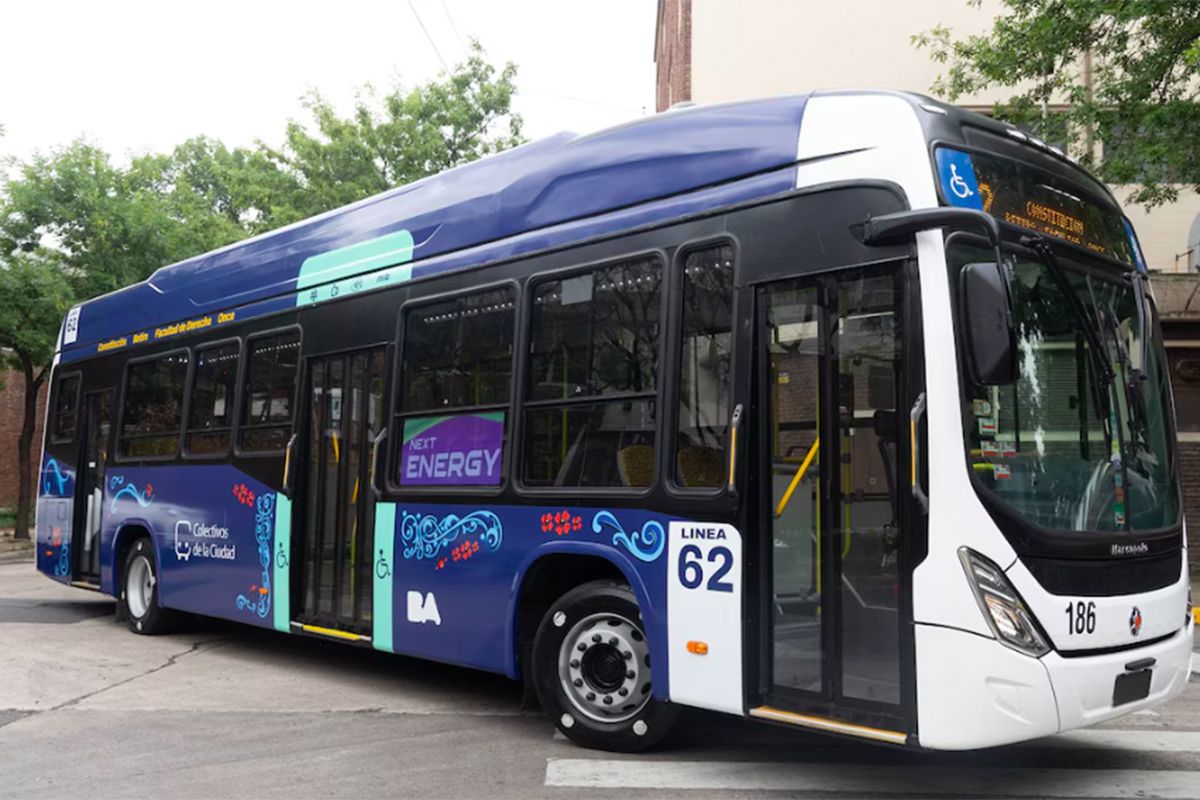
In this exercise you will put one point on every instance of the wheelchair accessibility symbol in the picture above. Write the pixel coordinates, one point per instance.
(958, 184)
(281, 559)
(382, 570)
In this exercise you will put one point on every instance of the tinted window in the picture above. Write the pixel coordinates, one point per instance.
(700, 447)
(270, 392)
(458, 353)
(66, 408)
(153, 406)
(210, 416)
(594, 339)
(596, 333)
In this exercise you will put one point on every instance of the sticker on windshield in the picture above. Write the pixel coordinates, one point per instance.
(987, 426)
(957, 174)
(982, 408)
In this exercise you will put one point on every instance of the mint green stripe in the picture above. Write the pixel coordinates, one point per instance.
(280, 576)
(385, 563)
(335, 273)
(415, 426)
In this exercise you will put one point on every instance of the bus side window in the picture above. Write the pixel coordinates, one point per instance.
(66, 409)
(270, 392)
(700, 443)
(455, 391)
(210, 412)
(593, 367)
(153, 409)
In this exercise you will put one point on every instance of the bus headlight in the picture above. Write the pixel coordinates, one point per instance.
(1002, 607)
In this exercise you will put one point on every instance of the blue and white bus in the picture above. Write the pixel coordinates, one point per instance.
(842, 410)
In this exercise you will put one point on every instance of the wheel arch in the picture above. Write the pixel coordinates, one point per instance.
(550, 571)
(126, 533)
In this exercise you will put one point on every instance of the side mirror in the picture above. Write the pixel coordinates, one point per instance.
(987, 318)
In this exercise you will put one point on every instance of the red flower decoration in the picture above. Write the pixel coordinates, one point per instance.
(576, 523)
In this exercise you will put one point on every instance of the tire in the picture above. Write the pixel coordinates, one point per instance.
(137, 600)
(590, 648)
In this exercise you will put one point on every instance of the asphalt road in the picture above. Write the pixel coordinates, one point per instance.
(87, 709)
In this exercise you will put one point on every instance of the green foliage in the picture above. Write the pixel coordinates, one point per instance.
(1142, 103)
(403, 136)
(74, 225)
(36, 299)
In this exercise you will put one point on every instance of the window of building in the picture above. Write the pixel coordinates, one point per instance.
(66, 408)
(270, 392)
(153, 409)
(456, 387)
(1184, 364)
(700, 444)
(210, 415)
(593, 366)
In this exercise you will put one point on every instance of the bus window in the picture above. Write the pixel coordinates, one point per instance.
(66, 407)
(210, 415)
(153, 407)
(456, 388)
(704, 367)
(592, 372)
(270, 389)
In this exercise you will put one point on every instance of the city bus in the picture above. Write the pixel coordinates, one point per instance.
(843, 410)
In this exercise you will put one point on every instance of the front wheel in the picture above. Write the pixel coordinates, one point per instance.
(138, 598)
(591, 670)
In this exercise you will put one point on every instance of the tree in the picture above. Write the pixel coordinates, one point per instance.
(1126, 69)
(403, 136)
(75, 225)
(36, 296)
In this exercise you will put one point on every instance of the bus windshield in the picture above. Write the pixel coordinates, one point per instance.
(1078, 442)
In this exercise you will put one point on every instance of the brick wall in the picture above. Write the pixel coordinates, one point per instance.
(12, 411)
(673, 53)
(1189, 462)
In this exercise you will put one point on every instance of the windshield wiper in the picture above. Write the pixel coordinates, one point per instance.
(1103, 369)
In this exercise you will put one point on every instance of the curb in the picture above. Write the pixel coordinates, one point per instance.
(17, 556)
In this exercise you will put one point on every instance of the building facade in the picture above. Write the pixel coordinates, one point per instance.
(12, 413)
(711, 51)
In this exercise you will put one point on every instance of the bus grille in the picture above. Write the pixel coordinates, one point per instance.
(1107, 577)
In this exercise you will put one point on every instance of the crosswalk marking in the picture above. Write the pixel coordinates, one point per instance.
(1010, 782)
(1150, 740)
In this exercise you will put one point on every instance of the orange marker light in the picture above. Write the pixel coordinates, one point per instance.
(699, 648)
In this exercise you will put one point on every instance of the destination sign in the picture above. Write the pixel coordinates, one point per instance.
(1025, 197)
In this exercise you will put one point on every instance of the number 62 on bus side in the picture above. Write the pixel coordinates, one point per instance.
(692, 571)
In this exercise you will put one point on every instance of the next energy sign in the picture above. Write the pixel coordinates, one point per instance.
(461, 450)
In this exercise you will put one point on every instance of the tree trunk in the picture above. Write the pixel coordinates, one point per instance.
(33, 383)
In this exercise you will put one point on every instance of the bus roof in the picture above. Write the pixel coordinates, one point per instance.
(549, 186)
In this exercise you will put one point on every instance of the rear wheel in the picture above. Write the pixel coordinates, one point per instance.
(138, 597)
(592, 672)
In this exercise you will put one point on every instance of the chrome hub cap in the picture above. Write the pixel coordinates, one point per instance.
(139, 587)
(604, 667)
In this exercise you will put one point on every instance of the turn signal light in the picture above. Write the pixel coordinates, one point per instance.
(699, 648)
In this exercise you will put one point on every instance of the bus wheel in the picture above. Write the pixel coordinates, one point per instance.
(591, 670)
(138, 598)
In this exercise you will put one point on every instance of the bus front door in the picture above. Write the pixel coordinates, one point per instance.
(830, 371)
(335, 505)
(89, 488)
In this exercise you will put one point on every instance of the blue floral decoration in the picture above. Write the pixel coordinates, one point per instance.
(264, 526)
(53, 471)
(128, 489)
(426, 535)
(645, 544)
(63, 568)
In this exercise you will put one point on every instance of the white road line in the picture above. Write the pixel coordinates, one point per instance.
(1067, 784)
(1150, 741)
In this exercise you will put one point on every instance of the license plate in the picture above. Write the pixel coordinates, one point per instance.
(1131, 687)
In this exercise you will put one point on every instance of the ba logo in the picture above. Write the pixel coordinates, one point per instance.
(423, 608)
(1135, 621)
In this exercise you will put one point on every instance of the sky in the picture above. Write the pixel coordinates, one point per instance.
(143, 76)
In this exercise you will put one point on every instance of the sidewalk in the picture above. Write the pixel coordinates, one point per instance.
(14, 549)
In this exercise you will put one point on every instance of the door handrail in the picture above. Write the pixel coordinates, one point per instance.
(799, 476)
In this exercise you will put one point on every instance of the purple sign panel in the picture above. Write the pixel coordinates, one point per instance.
(463, 450)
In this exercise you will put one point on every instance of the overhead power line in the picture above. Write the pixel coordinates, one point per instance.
(428, 38)
(454, 28)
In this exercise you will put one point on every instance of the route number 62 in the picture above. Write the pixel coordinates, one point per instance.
(692, 570)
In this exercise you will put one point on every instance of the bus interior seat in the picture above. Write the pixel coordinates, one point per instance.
(635, 463)
(700, 466)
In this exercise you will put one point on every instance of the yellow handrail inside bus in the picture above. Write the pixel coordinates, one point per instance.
(808, 459)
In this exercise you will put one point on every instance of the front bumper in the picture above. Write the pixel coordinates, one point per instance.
(974, 692)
